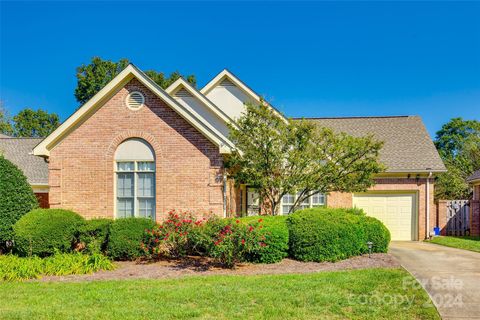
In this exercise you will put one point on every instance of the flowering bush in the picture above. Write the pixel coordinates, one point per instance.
(236, 241)
(276, 238)
(183, 234)
(171, 238)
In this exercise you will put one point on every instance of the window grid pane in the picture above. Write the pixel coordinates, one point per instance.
(145, 185)
(125, 185)
(146, 207)
(318, 200)
(125, 166)
(145, 166)
(124, 207)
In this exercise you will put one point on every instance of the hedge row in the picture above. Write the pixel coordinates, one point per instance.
(319, 234)
(324, 234)
(43, 232)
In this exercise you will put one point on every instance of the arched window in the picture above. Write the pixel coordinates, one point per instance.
(135, 179)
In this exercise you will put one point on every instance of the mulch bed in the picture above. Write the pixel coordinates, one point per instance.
(198, 266)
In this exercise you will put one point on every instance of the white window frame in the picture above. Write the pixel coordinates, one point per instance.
(136, 198)
(310, 202)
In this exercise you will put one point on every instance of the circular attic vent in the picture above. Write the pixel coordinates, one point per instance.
(135, 100)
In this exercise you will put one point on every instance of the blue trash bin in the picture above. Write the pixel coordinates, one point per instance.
(436, 230)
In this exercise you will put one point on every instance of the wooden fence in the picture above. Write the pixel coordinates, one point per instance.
(458, 218)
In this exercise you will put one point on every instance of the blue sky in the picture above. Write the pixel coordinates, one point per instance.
(312, 59)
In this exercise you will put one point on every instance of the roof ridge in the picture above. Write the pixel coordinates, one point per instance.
(357, 117)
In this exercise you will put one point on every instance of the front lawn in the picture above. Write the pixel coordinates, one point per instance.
(467, 243)
(360, 294)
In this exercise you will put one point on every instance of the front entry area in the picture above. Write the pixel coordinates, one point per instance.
(398, 211)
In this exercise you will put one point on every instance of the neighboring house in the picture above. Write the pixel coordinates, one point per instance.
(137, 150)
(474, 180)
(19, 152)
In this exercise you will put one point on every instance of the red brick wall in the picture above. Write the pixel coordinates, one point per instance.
(42, 198)
(188, 165)
(441, 207)
(475, 217)
(337, 199)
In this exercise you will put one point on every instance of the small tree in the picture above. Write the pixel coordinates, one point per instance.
(16, 199)
(278, 156)
(458, 143)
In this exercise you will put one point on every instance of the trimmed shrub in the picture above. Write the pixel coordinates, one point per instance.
(325, 234)
(377, 233)
(125, 239)
(275, 231)
(42, 232)
(93, 235)
(16, 199)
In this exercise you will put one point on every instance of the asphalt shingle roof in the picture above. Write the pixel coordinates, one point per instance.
(474, 176)
(18, 151)
(407, 145)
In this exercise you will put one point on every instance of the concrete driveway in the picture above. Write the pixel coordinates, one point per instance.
(450, 276)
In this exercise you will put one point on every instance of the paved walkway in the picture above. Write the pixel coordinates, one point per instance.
(450, 276)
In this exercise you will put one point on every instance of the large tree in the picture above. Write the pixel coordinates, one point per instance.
(92, 77)
(279, 157)
(458, 143)
(34, 123)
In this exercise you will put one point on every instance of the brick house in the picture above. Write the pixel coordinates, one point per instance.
(137, 150)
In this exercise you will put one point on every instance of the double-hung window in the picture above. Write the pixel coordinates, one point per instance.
(288, 200)
(135, 180)
(136, 189)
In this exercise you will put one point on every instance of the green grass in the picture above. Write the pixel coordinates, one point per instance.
(467, 243)
(328, 295)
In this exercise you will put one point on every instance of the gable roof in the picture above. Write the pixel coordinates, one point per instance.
(182, 83)
(474, 176)
(225, 74)
(130, 72)
(407, 145)
(19, 152)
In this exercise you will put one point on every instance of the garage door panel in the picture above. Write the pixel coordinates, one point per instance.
(396, 211)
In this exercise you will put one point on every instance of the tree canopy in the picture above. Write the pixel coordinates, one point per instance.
(28, 123)
(92, 77)
(458, 143)
(34, 123)
(278, 157)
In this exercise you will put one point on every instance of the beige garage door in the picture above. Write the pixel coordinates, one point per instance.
(396, 211)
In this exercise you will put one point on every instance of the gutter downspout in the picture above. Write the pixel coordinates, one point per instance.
(428, 206)
(224, 193)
